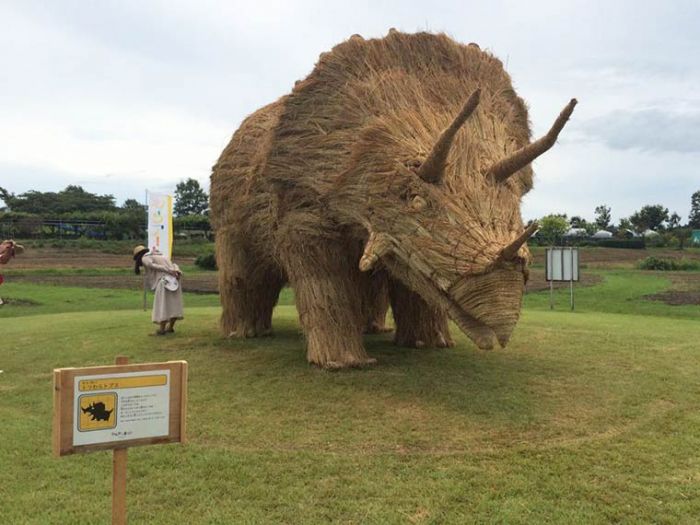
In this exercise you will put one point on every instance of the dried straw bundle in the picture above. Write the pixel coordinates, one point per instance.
(373, 177)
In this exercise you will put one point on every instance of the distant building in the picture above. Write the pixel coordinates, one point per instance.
(576, 232)
(695, 237)
(650, 233)
(627, 234)
(602, 234)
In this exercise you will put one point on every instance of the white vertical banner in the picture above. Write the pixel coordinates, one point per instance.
(160, 223)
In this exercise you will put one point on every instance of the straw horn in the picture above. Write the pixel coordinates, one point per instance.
(525, 155)
(433, 168)
(509, 252)
(377, 245)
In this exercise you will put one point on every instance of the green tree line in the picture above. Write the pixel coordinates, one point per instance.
(30, 213)
(654, 221)
(76, 212)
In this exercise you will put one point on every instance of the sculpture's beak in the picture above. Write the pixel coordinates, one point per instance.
(492, 301)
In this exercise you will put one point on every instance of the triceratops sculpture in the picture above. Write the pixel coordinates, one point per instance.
(372, 177)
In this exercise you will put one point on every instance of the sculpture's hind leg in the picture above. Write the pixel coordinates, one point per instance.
(374, 288)
(417, 324)
(326, 288)
(249, 289)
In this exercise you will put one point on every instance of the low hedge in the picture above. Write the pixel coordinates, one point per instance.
(206, 261)
(668, 265)
(632, 244)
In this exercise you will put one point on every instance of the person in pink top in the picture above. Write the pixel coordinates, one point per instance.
(8, 249)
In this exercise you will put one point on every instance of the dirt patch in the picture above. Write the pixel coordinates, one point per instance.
(58, 259)
(675, 298)
(38, 258)
(200, 283)
(685, 289)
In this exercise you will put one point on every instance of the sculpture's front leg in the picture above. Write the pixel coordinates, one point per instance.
(326, 288)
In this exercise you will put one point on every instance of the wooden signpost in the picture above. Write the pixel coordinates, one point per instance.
(116, 407)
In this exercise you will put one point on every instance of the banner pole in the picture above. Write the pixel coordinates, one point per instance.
(145, 298)
(571, 283)
(170, 227)
(549, 274)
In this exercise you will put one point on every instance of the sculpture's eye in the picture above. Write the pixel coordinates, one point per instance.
(417, 203)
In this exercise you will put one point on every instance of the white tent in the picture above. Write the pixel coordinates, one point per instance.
(576, 232)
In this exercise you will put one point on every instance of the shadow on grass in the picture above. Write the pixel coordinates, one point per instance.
(461, 380)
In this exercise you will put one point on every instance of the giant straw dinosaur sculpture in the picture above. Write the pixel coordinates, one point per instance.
(396, 168)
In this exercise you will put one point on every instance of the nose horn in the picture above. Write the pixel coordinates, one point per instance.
(493, 299)
(510, 251)
(502, 318)
(504, 332)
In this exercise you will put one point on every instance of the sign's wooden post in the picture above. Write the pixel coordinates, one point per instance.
(571, 282)
(116, 407)
(119, 474)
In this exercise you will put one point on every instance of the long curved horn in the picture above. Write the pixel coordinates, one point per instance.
(525, 155)
(509, 252)
(433, 168)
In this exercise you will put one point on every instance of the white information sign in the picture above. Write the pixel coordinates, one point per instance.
(121, 406)
(562, 264)
(160, 223)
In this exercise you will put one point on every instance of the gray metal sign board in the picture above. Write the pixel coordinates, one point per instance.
(562, 264)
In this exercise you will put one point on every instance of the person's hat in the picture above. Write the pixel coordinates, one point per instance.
(139, 250)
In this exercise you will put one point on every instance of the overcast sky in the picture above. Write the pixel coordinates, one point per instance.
(120, 96)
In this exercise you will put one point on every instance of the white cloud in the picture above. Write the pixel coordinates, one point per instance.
(123, 95)
(151, 147)
(652, 129)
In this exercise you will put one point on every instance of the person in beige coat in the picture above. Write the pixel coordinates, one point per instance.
(163, 277)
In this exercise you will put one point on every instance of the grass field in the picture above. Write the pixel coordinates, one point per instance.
(588, 417)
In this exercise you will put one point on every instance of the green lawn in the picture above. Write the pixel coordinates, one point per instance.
(45, 299)
(620, 292)
(587, 417)
(37, 299)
